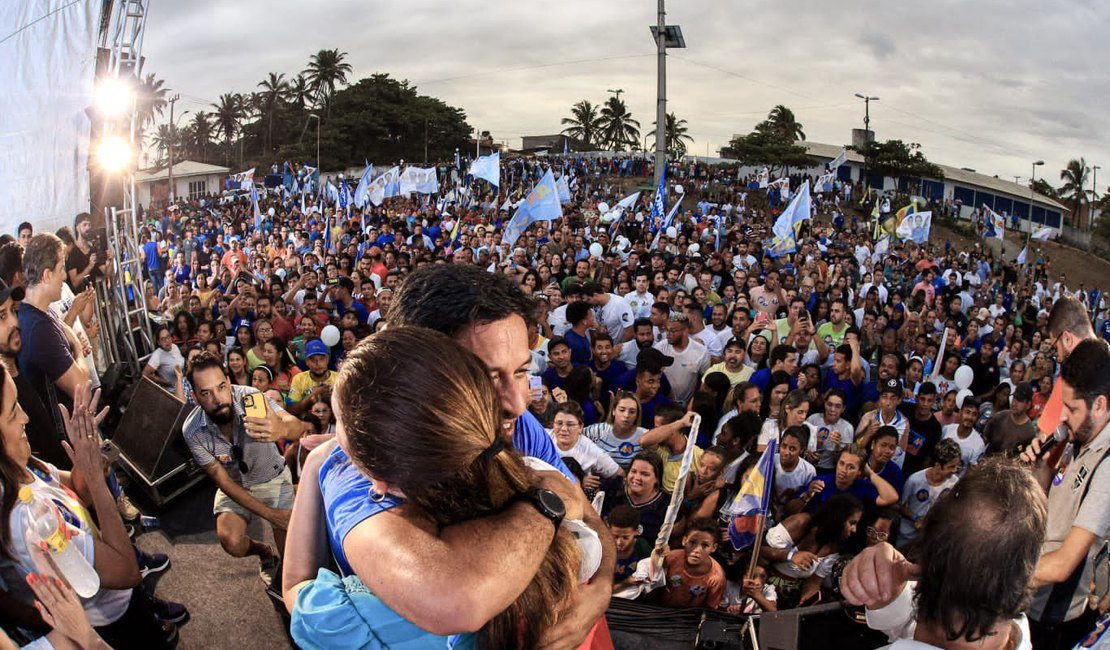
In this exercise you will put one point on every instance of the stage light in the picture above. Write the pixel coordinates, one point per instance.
(113, 96)
(113, 154)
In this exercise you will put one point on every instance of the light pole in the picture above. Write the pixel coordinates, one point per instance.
(867, 112)
(1094, 197)
(665, 36)
(317, 118)
(1032, 184)
(173, 138)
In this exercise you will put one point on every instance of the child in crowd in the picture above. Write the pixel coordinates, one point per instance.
(624, 525)
(753, 597)
(972, 445)
(694, 578)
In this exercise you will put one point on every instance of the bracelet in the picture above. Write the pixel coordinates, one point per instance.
(790, 555)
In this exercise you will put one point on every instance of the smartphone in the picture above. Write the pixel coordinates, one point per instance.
(333, 280)
(254, 405)
(535, 386)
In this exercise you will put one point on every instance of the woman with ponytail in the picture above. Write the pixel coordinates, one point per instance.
(420, 417)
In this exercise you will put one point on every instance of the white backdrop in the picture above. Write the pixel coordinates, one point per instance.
(47, 63)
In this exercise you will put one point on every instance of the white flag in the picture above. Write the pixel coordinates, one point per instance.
(421, 181)
(1021, 256)
(1042, 234)
(840, 159)
(243, 179)
(377, 189)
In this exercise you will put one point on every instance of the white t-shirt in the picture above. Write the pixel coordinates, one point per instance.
(972, 447)
(557, 319)
(590, 457)
(615, 316)
(59, 309)
(687, 369)
(788, 484)
(640, 304)
(918, 495)
(164, 362)
(621, 450)
(823, 431)
(711, 342)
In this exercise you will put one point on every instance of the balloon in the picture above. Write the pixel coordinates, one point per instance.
(693, 248)
(330, 335)
(964, 376)
(672, 232)
(271, 212)
(602, 207)
(961, 396)
(678, 189)
(596, 250)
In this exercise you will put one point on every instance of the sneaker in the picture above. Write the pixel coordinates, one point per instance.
(127, 509)
(267, 567)
(170, 612)
(150, 563)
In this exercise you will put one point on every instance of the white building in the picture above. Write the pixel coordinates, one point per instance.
(190, 179)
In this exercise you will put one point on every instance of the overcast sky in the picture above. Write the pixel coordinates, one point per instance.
(991, 84)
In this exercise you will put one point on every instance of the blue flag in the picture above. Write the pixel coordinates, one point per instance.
(327, 233)
(254, 207)
(752, 502)
(542, 204)
(362, 192)
(659, 203)
(488, 168)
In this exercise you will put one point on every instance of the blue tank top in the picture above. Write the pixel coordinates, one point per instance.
(347, 503)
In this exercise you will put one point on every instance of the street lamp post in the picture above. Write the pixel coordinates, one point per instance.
(1094, 198)
(665, 36)
(867, 111)
(1032, 184)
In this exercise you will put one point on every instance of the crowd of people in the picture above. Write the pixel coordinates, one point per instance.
(410, 403)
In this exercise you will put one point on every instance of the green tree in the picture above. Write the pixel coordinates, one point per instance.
(584, 123)
(618, 128)
(326, 70)
(677, 136)
(772, 143)
(164, 137)
(228, 113)
(198, 136)
(1074, 190)
(784, 124)
(898, 160)
(150, 101)
(300, 92)
(275, 89)
(1042, 187)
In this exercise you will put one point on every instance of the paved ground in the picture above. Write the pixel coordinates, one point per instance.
(227, 601)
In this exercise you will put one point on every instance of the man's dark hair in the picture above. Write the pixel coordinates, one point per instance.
(204, 361)
(846, 350)
(979, 546)
(704, 525)
(641, 322)
(577, 312)
(26, 225)
(43, 252)
(799, 433)
(624, 516)
(448, 298)
(927, 388)
(599, 337)
(573, 289)
(779, 353)
(11, 262)
(670, 413)
(1069, 315)
(81, 218)
(592, 289)
(1087, 370)
(661, 306)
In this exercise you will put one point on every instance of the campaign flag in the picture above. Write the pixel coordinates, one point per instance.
(542, 204)
(666, 223)
(254, 208)
(825, 183)
(362, 192)
(564, 191)
(937, 363)
(659, 202)
(458, 164)
(752, 503)
(566, 146)
(344, 194)
(378, 190)
(310, 177)
(782, 184)
(840, 159)
(1022, 256)
(287, 175)
(419, 180)
(488, 168)
(764, 178)
(242, 180)
(882, 247)
(995, 224)
(327, 233)
(1042, 234)
(799, 209)
(890, 225)
(915, 227)
(332, 193)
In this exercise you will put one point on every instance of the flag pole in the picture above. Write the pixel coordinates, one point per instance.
(664, 536)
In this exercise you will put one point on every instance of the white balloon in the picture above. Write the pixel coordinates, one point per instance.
(693, 248)
(330, 335)
(678, 189)
(271, 212)
(602, 207)
(961, 396)
(964, 376)
(596, 250)
(672, 232)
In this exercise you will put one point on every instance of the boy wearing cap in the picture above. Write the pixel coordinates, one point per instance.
(304, 384)
(886, 415)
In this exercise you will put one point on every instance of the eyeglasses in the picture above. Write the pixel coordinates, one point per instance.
(237, 456)
(877, 535)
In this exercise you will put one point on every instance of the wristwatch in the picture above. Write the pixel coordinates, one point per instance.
(546, 502)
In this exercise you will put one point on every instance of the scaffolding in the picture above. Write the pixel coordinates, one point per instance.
(125, 331)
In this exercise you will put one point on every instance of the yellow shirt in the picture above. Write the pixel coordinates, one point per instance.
(733, 377)
(673, 462)
(304, 382)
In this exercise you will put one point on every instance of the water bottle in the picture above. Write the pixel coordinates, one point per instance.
(45, 524)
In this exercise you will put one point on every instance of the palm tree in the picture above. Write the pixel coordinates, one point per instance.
(200, 134)
(229, 111)
(584, 123)
(162, 139)
(784, 124)
(677, 136)
(325, 70)
(300, 92)
(150, 100)
(617, 126)
(274, 91)
(1074, 188)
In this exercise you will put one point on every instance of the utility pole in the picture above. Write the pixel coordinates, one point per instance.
(173, 136)
(1094, 198)
(1032, 195)
(425, 142)
(665, 36)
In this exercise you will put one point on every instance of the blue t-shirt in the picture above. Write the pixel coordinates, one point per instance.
(579, 347)
(361, 314)
(861, 489)
(153, 260)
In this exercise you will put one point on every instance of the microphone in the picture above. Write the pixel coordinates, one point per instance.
(1058, 436)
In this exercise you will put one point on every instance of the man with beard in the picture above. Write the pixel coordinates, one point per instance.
(1078, 488)
(240, 456)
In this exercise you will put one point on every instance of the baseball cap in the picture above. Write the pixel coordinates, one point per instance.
(891, 385)
(556, 340)
(15, 293)
(652, 358)
(315, 347)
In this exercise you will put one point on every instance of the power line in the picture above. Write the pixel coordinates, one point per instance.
(37, 20)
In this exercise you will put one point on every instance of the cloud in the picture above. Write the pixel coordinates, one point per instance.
(989, 85)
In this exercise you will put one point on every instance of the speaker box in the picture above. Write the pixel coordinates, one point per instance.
(151, 447)
(812, 628)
